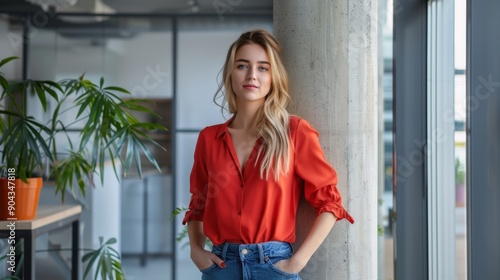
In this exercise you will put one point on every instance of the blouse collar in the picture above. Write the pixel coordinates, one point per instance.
(223, 128)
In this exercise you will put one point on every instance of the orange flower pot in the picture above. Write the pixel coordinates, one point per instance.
(19, 199)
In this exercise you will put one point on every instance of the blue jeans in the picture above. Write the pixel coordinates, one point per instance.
(250, 262)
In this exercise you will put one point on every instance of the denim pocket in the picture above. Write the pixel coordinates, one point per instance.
(209, 269)
(271, 263)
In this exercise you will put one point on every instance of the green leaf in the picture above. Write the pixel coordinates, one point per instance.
(47, 86)
(178, 210)
(93, 257)
(4, 83)
(83, 102)
(129, 154)
(111, 241)
(6, 60)
(53, 84)
(148, 154)
(106, 260)
(150, 126)
(40, 140)
(102, 160)
(117, 89)
(137, 160)
(73, 168)
(41, 95)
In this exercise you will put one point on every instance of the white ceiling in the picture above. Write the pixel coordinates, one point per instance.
(189, 6)
(217, 7)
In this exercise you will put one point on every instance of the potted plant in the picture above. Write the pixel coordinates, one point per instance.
(28, 145)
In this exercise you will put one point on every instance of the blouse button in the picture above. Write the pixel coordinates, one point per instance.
(244, 251)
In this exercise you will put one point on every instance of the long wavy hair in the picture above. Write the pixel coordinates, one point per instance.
(273, 124)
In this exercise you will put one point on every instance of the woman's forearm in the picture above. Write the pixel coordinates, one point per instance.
(196, 236)
(319, 230)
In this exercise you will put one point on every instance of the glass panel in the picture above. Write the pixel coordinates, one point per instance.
(186, 142)
(11, 31)
(460, 140)
(109, 48)
(386, 240)
(134, 53)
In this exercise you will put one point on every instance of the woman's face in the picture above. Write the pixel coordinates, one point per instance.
(251, 76)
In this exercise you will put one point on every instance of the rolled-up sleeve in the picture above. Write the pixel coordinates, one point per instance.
(320, 178)
(198, 184)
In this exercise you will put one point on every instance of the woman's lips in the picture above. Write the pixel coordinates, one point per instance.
(250, 86)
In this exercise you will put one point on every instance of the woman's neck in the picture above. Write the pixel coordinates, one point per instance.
(246, 118)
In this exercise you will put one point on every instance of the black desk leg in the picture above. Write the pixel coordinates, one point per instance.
(29, 255)
(75, 239)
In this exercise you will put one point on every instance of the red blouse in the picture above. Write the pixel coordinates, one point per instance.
(238, 206)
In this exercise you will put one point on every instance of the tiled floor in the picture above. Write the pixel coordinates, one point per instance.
(460, 247)
(461, 269)
(159, 269)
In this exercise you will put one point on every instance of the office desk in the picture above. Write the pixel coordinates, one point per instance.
(47, 219)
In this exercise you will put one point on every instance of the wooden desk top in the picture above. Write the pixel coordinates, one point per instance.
(45, 215)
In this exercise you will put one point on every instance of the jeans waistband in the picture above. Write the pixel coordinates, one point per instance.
(258, 251)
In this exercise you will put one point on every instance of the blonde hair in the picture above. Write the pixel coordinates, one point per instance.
(273, 124)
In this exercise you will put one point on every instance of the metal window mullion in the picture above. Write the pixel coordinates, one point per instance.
(440, 130)
(483, 148)
(431, 149)
(410, 133)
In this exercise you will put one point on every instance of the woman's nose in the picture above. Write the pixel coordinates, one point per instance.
(251, 74)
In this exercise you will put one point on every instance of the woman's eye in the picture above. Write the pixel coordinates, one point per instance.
(262, 68)
(241, 66)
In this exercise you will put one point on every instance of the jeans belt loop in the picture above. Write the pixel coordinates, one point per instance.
(261, 253)
(224, 251)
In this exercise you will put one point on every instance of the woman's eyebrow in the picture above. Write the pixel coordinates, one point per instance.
(248, 61)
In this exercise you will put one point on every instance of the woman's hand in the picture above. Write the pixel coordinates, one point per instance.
(291, 265)
(203, 259)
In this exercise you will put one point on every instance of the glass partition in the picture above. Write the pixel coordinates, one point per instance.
(134, 53)
(460, 139)
(385, 227)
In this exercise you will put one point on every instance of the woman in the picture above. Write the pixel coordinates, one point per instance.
(248, 174)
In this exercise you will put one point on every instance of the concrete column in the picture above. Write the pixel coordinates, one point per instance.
(330, 49)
